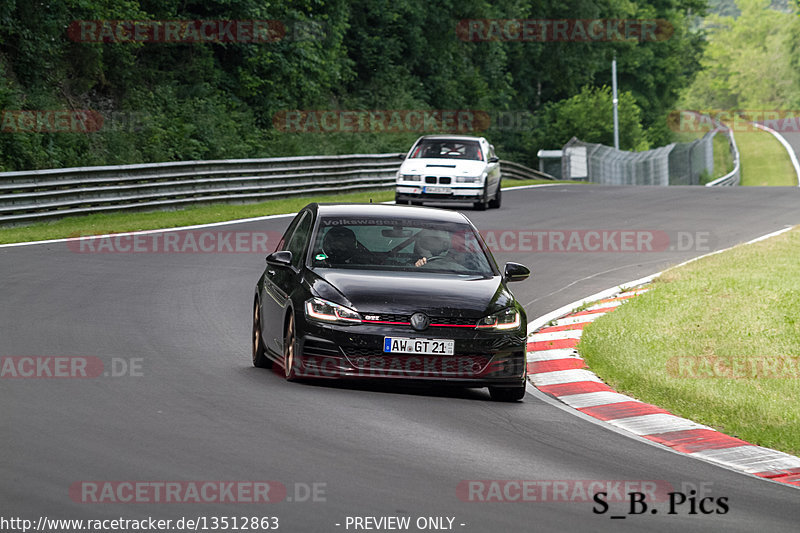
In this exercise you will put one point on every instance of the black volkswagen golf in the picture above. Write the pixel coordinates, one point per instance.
(390, 292)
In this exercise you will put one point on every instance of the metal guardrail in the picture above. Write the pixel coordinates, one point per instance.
(512, 170)
(46, 194)
(733, 177)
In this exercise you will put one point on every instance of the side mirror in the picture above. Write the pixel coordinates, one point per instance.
(516, 272)
(281, 259)
(494, 159)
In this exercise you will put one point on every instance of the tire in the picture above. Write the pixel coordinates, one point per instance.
(400, 202)
(507, 394)
(289, 347)
(416, 203)
(260, 359)
(481, 204)
(498, 199)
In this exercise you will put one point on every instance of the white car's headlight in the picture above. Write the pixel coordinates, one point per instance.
(505, 319)
(468, 179)
(409, 177)
(325, 311)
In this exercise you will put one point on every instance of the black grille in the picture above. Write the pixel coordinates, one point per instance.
(430, 179)
(453, 321)
(445, 181)
(314, 348)
(390, 318)
(465, 365)
(445, 320)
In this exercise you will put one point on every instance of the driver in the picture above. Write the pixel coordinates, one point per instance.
(429, 247)
(340, 245)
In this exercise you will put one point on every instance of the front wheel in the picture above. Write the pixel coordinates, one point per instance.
(507, 394)
(495, 203)
(289, 361)
(260, 360)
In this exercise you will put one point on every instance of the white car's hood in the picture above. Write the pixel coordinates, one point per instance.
(442, 167)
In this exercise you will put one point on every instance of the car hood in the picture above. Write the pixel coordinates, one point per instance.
(411, 292)
(442, 167)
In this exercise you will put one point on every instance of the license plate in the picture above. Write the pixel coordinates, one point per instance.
(418, 346)
(438, 190)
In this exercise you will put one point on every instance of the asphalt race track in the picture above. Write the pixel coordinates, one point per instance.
(197, 410)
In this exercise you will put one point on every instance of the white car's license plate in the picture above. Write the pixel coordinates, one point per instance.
(438, 190)
(418, 346)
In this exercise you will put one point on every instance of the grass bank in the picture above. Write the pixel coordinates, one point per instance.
(764, 160)
(716, 341)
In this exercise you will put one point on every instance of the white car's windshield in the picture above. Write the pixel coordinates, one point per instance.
(403, 245)
(448, 149)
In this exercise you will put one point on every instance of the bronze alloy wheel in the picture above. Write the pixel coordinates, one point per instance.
(288, 350)
(260, 359)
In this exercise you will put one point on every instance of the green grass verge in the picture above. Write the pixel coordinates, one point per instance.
(764, 160)
(677, 345)
(723, 160)
(202, 214)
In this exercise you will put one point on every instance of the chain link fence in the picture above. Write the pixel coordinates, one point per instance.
(689, 163)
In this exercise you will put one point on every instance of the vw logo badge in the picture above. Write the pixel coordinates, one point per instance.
(420, 321)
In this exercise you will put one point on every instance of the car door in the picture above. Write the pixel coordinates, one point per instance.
(279, 282)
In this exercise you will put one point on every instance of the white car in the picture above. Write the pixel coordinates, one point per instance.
(450, 168)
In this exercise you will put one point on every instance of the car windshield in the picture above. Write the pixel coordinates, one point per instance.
(448, 149)
(399, 244)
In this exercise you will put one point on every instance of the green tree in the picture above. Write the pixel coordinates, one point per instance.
(589, 116)
(751, 61)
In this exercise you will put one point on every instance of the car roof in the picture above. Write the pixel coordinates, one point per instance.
(452, 137)
(389, 211)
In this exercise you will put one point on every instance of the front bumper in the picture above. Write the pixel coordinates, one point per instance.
(456, 194)
(480, 358)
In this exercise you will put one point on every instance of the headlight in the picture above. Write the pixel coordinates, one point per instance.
(410, 177)
(505, 319)
(468, 179)
(319, 309)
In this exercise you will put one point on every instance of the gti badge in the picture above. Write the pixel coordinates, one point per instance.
(420, 321)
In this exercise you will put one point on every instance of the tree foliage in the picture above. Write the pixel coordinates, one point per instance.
(218, 100)
(751, 61)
